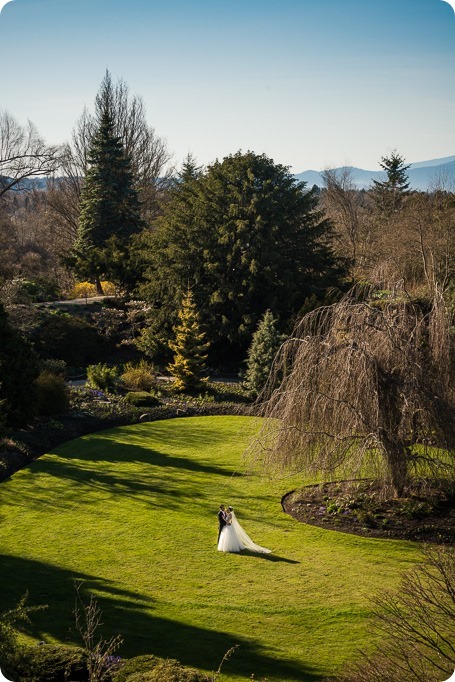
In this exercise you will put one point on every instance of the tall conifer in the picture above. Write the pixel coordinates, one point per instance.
(110, 208)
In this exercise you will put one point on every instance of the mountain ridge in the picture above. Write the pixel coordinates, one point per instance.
(423, 175)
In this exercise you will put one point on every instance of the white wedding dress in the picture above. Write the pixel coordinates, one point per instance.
(233, 538)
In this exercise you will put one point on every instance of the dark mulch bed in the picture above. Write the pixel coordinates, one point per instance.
(426, 515)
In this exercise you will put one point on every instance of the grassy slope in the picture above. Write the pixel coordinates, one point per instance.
(132, 512)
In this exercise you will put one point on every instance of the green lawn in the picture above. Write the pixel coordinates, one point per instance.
(132, 513)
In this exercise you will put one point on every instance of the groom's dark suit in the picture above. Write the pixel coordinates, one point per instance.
(222, 521)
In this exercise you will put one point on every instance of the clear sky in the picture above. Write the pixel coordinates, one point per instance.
(311, 83)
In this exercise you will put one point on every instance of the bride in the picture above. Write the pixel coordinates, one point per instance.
(233, 538)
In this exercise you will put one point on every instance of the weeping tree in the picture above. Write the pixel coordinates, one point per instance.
(363, 387)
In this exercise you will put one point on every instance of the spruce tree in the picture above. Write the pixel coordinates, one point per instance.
(261, 353)
(110, 209)
(190, 348)
(389, 193)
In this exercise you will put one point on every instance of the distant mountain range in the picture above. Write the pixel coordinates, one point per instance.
(424, 175)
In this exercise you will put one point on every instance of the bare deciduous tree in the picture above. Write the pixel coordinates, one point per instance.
(428, 228)
(342, 196)
(23, 154)
(365, 388)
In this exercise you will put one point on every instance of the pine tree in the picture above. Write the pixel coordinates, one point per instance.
(389, 193)
(110, 208)
(264, 346)
(190, 348)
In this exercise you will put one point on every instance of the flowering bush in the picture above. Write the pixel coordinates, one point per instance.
(88, 290)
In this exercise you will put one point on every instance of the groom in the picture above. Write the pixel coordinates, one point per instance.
(221, 519)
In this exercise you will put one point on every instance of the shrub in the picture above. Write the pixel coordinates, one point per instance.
(22, 291)
(103, 377)
(190, 349)
(163, 671)
(261, 353)
(57, 367)
(140, 377)
(18, 370)
(52, 394)
(134, 666)
(65, 337)
(10, 621)
(141, 399)
(366, 518)
(51, 663)
(88, 290)
(416, 509)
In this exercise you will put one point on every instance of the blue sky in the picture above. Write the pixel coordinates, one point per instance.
(310, 83)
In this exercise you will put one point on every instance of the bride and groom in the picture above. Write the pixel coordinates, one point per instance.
(232, 537)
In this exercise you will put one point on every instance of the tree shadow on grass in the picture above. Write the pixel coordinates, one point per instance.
(149, 477)
(105, 449)
(130, 614)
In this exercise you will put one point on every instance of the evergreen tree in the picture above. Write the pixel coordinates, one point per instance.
(264, 346)
(190, 169)
(109, 209)
(389, 193)
(18, 370)
(190, 348)
(246, 237)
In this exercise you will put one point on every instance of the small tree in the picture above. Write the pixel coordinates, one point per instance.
(190, 348)
(264, 345)
(365, 388)
(389, 193)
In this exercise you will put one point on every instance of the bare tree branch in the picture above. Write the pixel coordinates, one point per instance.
(23, 154)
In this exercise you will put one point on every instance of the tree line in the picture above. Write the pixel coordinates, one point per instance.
(241, 236)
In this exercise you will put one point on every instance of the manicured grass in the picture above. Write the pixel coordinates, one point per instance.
(132, 513)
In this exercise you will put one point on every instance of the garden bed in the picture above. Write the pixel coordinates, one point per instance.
(426, 515)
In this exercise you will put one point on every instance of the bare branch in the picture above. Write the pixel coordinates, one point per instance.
(23, 154)
(362, 385)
